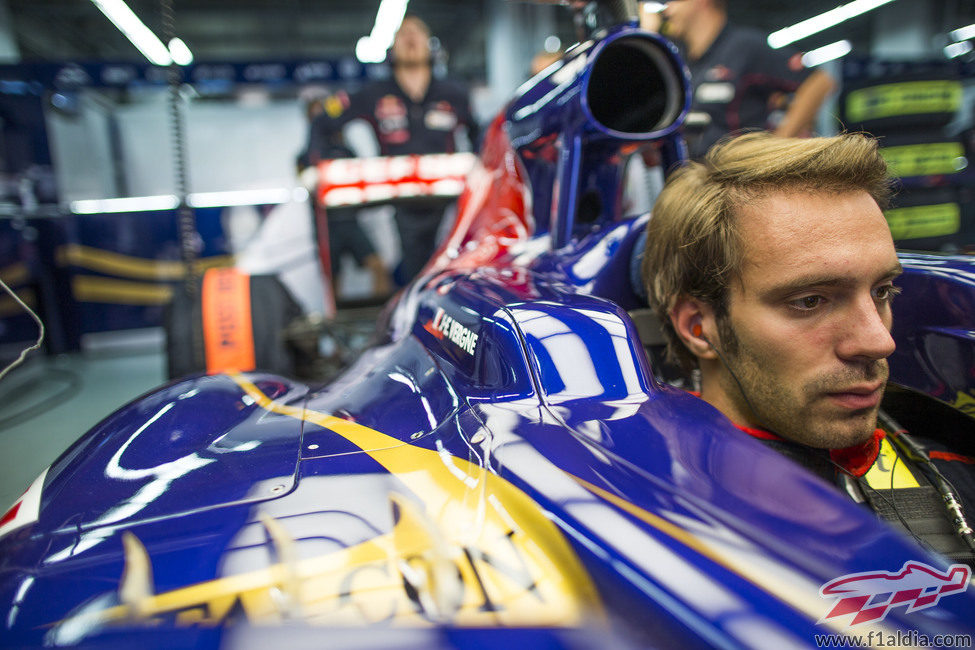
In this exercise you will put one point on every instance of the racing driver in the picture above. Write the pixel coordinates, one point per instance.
(771, 266)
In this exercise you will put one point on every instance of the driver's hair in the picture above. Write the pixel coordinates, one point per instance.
(693, 245)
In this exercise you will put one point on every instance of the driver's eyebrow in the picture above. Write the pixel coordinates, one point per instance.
(811, 281)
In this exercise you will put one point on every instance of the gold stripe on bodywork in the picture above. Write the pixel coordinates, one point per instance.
(792, 588)
(466, 548)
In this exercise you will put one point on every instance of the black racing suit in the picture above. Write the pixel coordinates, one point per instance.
(403, 126)
(740, 83)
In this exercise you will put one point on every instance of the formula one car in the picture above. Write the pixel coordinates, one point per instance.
(506, 467)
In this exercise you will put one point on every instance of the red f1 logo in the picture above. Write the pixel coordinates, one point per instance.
(872, 594)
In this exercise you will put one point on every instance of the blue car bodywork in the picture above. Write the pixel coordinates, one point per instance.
(504, 468)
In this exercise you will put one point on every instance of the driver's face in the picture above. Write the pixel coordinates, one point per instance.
(808, 326)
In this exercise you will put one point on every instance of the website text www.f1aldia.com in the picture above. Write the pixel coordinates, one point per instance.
(898, 639)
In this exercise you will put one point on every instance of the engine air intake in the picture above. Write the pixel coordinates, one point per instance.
(634, 87)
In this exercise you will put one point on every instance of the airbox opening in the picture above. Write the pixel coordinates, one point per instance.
(634, 87)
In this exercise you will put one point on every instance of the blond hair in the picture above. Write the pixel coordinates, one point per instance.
(693, 245)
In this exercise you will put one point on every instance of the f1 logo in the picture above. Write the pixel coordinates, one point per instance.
(872, 594)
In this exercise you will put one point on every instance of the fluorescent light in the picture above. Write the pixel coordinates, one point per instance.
(821, 55)
(963, 33)
(240, 197)
(180, 53)
(129, 204)
(369, 52)
(272, 196)
(372, 48)
(816, 24)
(135, 30)
(957, 49)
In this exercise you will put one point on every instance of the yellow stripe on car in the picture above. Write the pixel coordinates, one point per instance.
(467, 548)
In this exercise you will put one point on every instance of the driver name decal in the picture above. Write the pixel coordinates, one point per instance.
(444, 326)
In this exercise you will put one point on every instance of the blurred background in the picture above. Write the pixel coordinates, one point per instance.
(93, 163)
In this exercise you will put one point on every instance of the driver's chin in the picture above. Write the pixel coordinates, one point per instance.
(833, 431)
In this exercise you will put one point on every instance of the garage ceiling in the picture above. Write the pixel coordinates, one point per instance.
(261, 30)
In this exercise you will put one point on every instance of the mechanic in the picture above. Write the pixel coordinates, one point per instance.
(411, 113)
(771, 267)
(345, 234)
(739, 82)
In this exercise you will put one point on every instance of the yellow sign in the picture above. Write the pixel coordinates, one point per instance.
(905, 98)
(920, 221)
(888, 472)
(925, 159)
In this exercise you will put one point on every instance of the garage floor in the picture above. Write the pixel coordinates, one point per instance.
(48, 402)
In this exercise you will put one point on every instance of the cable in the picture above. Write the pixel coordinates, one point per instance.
(40, 336)
(891, 503)
(741, 388)
(948, 492)
(186, 218)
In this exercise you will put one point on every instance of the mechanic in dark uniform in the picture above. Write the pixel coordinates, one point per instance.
(345, 234)
(771, 267)
(739, 82)
(411, 113)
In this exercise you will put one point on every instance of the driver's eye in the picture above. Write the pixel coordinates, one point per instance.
(807, 303)
(886, 293)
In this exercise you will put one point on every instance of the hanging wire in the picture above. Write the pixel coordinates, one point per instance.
(186, 218)
(40, 334)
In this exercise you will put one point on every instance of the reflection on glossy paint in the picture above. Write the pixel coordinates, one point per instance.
(567, 351)
(660, 568)
(410, 383)
(622, 346)
(626, 407)
(593, 261)
(162, 476)
(465, 547)
(18, 600)
(572, 357)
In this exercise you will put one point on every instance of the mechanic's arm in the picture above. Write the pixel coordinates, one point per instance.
(809, 96)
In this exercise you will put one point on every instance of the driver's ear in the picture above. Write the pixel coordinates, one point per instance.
(694, 322)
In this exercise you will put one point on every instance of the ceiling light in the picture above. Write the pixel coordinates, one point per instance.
(135, 30)
(821, 55)
(963, 33)
(823, 21)
(271, 196)
(180, 53)
(372, 48)
(127, 204)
